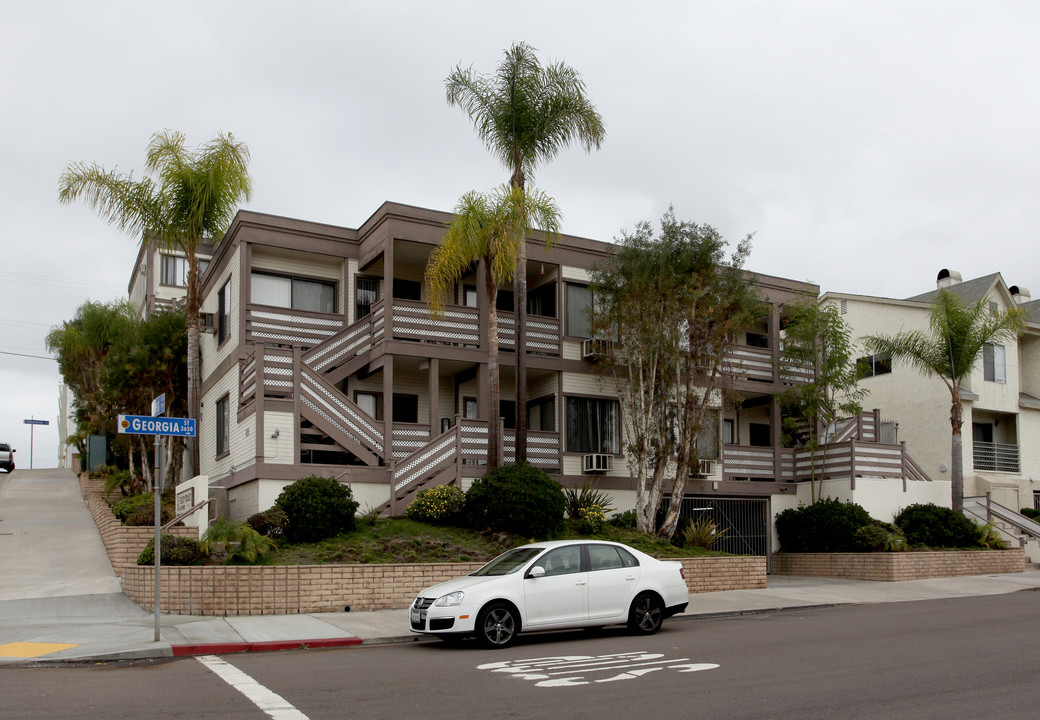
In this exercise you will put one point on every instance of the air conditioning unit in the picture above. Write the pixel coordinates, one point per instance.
(595, 347)
(705, 468)
(207, 322)
(597, 463)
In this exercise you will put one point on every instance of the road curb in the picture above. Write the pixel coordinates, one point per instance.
(267, 646)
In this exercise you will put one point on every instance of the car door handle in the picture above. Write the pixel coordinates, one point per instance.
(580, 582)
(630, 577)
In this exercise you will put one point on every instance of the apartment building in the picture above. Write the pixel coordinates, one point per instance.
(1000, 401)
(320, 356)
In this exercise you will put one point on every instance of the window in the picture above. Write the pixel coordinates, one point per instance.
(872, 365)
(293, 293)
(507, 411)
(708, 438)
(369, 402)
(366, 292)
(406, 408)
(729, 435)
(469, 295)
(993, 366)
(174, 271)
(561, 561)
(593, 425)
(223, 427)
(579, 307)
(608, 557)
(758, 435)
(407, 290)
(469, 408)
(224, 312)
(542, 300)
(757, 340)
(504, 301)
(541, 414)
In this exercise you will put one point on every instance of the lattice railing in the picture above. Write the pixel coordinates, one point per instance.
(543, 449)
(348, 342)
(749, 363)
(265, 324)
(340, 412)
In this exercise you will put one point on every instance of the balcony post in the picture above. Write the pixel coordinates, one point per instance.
(433, 388)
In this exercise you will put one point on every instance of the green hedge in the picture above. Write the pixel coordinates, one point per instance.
(517, 499)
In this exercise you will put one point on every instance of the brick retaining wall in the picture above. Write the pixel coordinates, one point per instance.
(893, 567)
(124, 543)
(286, 589)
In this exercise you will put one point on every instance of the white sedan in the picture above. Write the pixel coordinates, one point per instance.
(553, 585)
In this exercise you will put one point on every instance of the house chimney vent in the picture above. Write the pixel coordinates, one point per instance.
(946, 278)
(1020, 294)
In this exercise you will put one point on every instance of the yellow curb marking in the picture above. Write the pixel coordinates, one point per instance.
(27, 650)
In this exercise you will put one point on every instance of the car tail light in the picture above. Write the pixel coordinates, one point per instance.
(682, 572)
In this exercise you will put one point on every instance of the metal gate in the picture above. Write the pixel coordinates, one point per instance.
(745, 519)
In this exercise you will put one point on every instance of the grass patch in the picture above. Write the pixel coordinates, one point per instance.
(399, 540)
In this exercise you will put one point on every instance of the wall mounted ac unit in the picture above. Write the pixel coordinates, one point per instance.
(208, 322)
(597, 463)
(595, 347)
(705, 467)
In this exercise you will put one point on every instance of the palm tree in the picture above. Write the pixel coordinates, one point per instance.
(950, 352)
(488, 228)
(526, 113)
(194, 196)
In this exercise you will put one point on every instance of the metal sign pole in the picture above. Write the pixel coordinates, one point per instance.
(32, 434)
(157, 555)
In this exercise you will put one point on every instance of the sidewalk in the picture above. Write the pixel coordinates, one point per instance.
(60, 600)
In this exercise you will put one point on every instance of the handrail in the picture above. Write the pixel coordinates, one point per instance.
(1016, 520)
(198, 506)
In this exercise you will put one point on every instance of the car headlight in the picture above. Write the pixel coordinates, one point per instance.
(450, 599)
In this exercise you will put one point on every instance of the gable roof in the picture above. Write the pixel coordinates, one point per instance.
(1032, 311)
(970, 291)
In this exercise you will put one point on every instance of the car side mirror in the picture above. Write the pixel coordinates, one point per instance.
(536, 572)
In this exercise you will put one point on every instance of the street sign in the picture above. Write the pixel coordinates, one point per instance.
(37, 422)
(159, 406)
(147, 425)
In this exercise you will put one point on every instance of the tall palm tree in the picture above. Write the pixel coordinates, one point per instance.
(950, 352)
(488, 228)
(526, 113)
(194, 196)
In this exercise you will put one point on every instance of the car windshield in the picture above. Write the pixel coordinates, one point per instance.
(508, 562)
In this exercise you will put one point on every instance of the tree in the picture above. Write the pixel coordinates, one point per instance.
(673, 303)
(194, 196)
(526, 113)
(950, 352)
(817, 359)
(488, 228)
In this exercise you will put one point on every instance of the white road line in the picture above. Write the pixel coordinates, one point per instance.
(271, 703)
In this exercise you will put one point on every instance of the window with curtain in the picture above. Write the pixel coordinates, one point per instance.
(579, 306)
(293, 293)
(994, 366)
(366, 293)
(224, 312)
(174, 271)
(593, 425)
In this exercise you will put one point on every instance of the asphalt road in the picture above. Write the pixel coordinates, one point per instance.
(965, 657)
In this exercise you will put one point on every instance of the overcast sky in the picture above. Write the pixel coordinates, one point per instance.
(866, 144)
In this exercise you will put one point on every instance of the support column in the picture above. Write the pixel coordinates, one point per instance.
(433, 388)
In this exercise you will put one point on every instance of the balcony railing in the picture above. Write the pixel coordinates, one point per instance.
(847, 459)
(995, 457)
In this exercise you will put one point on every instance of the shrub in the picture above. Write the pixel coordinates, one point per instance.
(625, 519)
(516, 498)
(702, 533)
(270, 522)
(316, 508)
(825, 526)
(437, 505)
(128, 506)
(591, 520)
(587, 497)
(1032, 513)
(175, 551)
(145, 515)
(240, 543)
(938, 527)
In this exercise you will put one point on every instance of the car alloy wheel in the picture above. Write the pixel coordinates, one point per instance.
(497, 626)
(646, 615)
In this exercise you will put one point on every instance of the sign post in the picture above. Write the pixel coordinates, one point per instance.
(32, 423)
(155, 426)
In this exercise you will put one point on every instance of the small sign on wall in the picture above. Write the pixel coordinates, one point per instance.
(185, 500)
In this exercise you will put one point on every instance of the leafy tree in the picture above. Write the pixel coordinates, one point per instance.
(526, 113)
(950, 352)
(674, 304)
(818, 342)
(194, 196)
(488, 228)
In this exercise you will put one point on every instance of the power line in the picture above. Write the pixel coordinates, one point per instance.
(38, 357)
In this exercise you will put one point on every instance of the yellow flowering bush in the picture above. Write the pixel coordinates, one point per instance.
(437, 505)
(591, 520)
